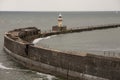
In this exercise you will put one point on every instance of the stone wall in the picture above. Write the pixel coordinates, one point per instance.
(63, 64)
(14, 46)
(100, 66)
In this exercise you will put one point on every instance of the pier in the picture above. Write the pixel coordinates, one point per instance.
(79, 29)
(68, 65)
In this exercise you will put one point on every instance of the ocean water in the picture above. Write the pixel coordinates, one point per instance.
(10, 70)
(96, 42)
(100, 42)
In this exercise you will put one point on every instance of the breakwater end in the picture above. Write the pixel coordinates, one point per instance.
(69, 66)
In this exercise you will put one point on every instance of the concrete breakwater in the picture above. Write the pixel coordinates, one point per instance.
(76, 66)
(79, 29)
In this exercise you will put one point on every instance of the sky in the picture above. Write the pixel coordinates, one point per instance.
(59, 5)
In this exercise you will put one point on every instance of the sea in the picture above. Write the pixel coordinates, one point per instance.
(98, 42)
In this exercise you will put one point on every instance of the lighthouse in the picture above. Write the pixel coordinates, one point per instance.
(60, 19)
(59, 27)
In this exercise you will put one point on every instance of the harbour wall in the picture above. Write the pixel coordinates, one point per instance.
(76, 66)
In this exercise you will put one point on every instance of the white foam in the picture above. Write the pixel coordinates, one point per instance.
(49, 77)
(47, 37)
(4, 67)
(39, 39)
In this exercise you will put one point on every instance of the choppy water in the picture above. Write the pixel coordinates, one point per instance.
(10, 70)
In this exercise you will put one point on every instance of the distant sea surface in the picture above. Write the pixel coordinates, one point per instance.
(92, 41)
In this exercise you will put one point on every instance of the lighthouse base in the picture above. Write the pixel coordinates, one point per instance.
(57, 28)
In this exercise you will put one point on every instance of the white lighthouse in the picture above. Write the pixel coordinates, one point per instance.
(60, 19)
(59, 27)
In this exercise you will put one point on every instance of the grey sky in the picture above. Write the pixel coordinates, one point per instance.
(59, 5)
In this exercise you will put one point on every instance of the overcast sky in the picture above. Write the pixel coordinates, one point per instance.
(59, 5)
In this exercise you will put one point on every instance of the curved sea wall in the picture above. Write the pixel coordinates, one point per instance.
(76, 66)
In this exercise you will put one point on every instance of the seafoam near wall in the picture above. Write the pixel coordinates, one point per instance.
(38, 39)
(63, 64)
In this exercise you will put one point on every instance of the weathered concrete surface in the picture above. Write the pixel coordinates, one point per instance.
(68, 65)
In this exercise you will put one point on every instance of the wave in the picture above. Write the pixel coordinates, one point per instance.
(47, 76)
(39, 39)
(4, 67)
